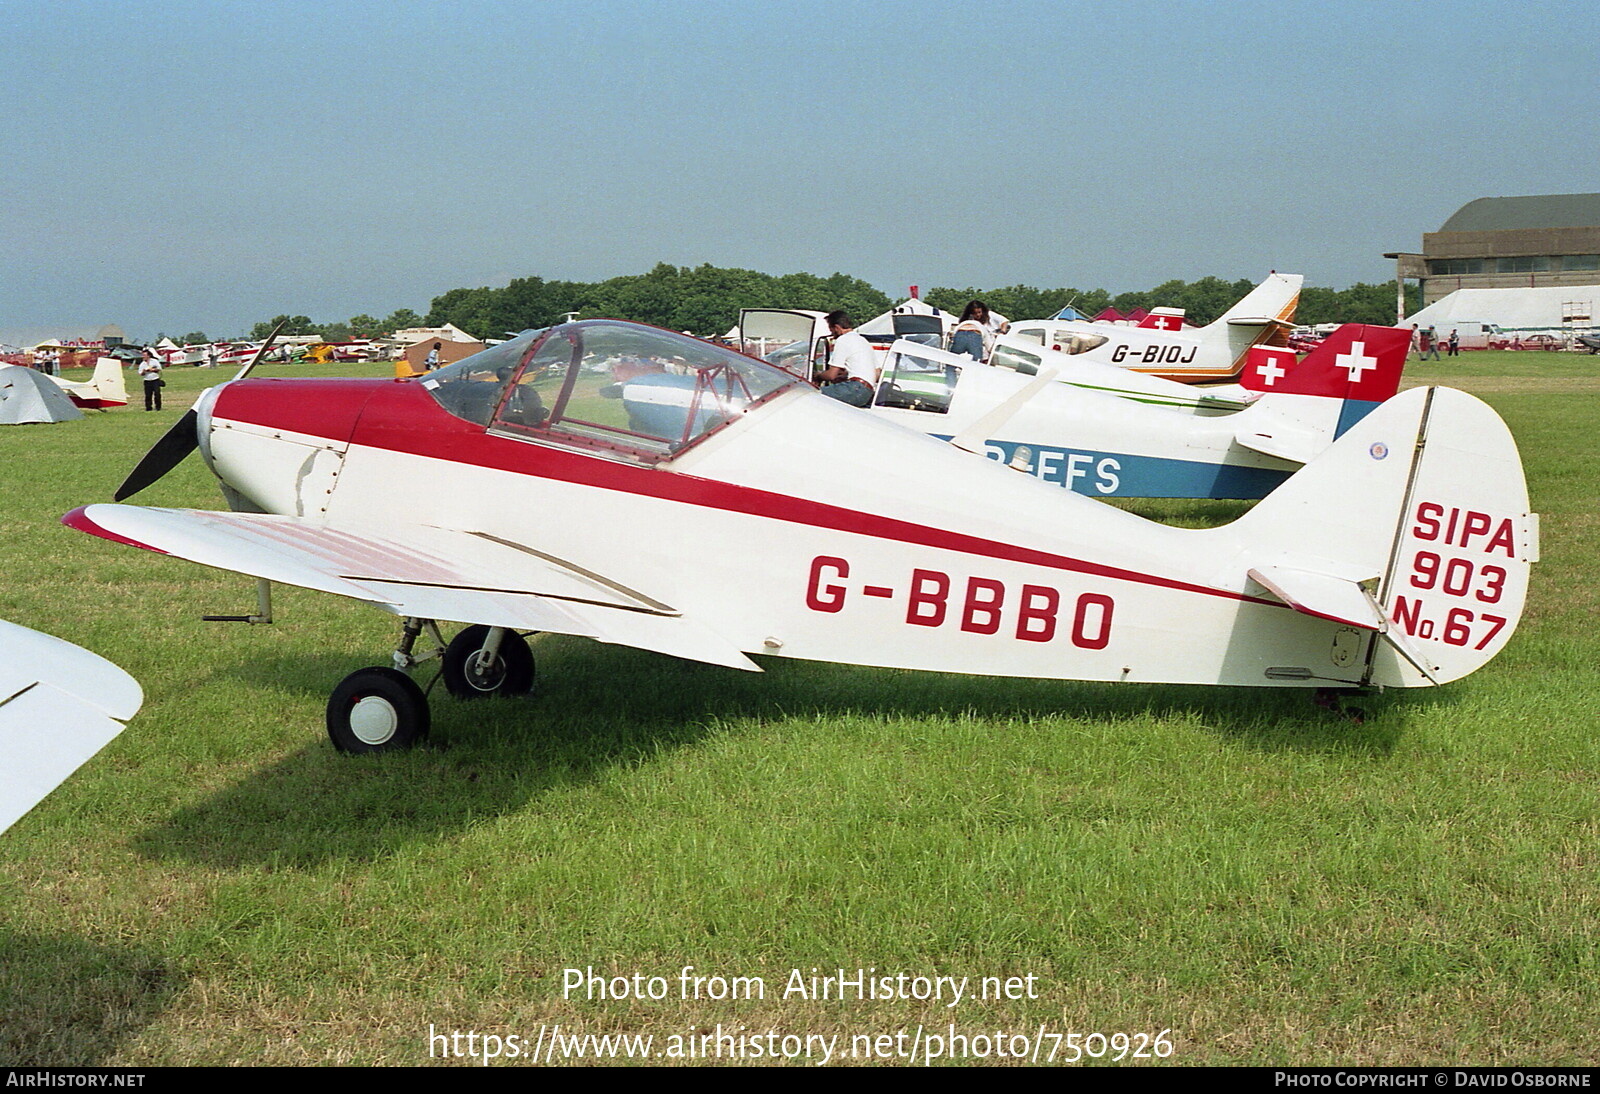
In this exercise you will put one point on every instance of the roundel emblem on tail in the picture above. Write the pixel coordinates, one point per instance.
(1378, 450)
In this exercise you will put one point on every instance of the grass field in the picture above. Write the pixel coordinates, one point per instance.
(1268, 883)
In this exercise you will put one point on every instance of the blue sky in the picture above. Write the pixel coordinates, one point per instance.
(178, 166)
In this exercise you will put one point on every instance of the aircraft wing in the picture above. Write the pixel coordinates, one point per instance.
(59, 705)
(417, 570)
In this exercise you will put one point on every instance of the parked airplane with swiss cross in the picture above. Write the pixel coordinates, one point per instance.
(523, 490)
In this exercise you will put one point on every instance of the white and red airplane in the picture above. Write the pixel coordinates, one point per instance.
(59, 705)
(1161, 345)
(104, 389)
(516, 490)
(1106, 432)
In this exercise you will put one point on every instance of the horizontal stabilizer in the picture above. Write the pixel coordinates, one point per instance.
(1265, 429)
(1323, 595)
(1426, 494)
(1259, 321)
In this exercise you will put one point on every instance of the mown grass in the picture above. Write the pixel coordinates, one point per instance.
(1271, 883)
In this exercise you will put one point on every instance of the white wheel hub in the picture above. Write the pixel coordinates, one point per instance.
(374, 720)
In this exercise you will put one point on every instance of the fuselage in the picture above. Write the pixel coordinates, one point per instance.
(802, 528)
(1082, 433)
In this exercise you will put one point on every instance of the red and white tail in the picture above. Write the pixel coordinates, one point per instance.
(1357, 361)
(1169, 319)
(1306, 405)
(1413, 529)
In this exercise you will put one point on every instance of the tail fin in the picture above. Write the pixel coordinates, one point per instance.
(1413, 531)
(1264, 315)
(1272, 301)
(1163, 319)
(1356, 362)
(1306, 405)
(107, 383)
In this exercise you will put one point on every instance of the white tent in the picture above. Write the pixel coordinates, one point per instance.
(1542, 308)
(28, 396)
(884, 324)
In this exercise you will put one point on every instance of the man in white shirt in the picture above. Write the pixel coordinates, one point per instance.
(150, 373)
(852, 372)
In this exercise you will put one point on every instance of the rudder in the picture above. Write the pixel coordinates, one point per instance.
(1424, 506)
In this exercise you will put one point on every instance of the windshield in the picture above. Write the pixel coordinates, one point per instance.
(471, 387)
(919, 378)
(612, 388)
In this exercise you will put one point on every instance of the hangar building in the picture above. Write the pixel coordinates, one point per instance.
(1504, 243)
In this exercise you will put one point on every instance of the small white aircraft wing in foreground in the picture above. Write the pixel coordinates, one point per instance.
(742, 512)
(59, 705)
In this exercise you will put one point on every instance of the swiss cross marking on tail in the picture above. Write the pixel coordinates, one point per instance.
(1356, 361)
(1269, 371)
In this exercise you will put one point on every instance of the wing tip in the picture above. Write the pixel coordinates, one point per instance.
(79, 520)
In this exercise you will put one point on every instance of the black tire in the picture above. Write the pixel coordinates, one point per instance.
(511, 673)
(377, 710)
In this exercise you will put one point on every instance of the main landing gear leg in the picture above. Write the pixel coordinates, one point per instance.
(383, 709)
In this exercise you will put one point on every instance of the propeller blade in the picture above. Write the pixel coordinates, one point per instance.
(167, 453)
(260, 353)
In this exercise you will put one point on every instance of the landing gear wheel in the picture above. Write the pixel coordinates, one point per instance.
(469, 675)
(377, 710)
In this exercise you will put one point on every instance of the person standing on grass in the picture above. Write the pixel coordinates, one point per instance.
(150, 373)
(1455, 345)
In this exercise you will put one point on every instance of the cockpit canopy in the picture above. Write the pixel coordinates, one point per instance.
(607, 387)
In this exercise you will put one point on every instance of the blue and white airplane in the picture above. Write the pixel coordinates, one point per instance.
(1102, 431)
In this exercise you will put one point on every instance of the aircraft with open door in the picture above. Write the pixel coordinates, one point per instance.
(560, 482)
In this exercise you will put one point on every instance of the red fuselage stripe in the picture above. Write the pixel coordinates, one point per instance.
(401, 417)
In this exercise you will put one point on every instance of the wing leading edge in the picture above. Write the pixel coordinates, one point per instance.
(417, 570)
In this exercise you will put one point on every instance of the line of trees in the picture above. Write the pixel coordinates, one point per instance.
(359, 326)
(706, 300)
